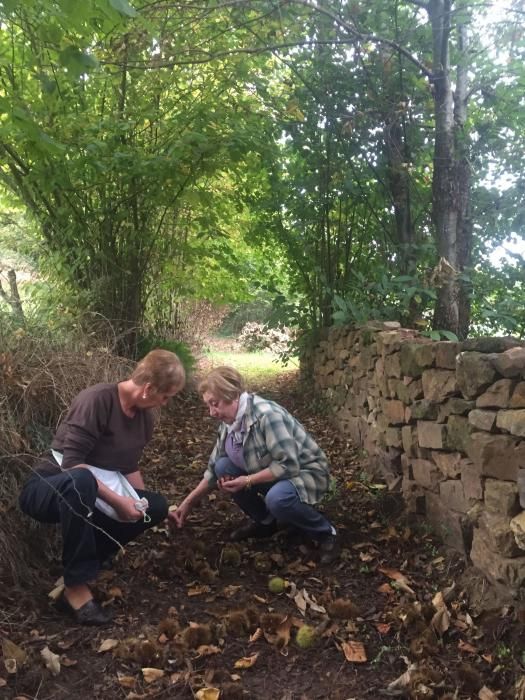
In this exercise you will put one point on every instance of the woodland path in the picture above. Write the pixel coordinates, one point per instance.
(200, 613)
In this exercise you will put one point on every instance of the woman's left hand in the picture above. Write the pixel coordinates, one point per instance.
(234, 485)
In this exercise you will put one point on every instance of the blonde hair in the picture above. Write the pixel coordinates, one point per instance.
(162, 369)
(224, 383)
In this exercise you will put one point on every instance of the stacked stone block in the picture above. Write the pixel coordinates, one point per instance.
(442, 421)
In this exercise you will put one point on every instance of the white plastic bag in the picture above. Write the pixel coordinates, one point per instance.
(116, 482)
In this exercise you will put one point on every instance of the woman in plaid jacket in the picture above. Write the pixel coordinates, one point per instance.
(264, 458)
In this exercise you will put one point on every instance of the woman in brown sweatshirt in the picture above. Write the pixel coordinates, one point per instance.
(107, 427)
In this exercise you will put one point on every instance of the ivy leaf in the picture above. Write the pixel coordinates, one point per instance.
(123, 7)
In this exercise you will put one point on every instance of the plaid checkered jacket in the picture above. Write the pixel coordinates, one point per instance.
(274, 439)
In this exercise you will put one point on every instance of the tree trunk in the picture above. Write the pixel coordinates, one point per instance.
(451, 178)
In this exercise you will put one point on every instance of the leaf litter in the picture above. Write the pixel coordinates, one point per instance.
(194, 617)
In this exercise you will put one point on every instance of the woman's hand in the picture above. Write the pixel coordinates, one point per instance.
(125, 507)
(178, 517)
(233, 485)
(221, 482)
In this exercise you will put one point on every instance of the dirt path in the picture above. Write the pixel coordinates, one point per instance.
(195, 616)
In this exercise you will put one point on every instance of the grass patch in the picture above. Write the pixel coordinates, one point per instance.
(254, 366)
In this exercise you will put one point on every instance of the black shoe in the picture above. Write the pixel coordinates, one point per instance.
(91, 613)
(253, 529)
(330, 549)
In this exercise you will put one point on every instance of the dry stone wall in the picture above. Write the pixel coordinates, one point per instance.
(443, 422)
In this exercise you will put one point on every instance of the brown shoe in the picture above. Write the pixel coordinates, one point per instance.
(330, 549)
(253, 529)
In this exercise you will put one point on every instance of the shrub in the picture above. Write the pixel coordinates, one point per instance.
(38, 379)
(256, 336)
(150, 342)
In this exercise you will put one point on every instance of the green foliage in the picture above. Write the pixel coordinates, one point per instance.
(148, 343)
(405, 298)
(159, 165)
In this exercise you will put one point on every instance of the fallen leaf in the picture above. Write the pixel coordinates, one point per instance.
(51, 660)
(466, 647)
(3, 682)
(366, 556)
(354, 652)
(246, 661)
(256, 635)
(487, 694)
(198, 590)
(67, 662)
(107, 645)
(441, 621)
(126, 681)
(116, 592)
(208, 694)
(300, 601)
(385, 588)
(14, 656)
(230, 591)
(10, 665)
(311, 601)
(66, 644)
(383, 627)
(400, 579)
(235, 677)
(58, 589)
(207, 650)
(152, 674)
(260, 599)
(487, 658)
(397, 687)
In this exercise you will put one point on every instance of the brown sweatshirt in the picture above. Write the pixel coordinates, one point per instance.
(96, 431)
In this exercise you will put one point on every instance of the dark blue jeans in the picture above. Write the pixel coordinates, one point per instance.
(68, 498)
(276, 500)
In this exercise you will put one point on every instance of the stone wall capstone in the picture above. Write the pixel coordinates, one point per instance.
(442, 421)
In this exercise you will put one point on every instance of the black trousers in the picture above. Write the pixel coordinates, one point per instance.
(69, 498)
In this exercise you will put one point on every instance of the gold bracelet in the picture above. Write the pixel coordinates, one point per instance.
(248, 482)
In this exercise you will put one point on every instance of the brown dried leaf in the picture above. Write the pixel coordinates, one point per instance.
(208, 694)
(116, 592)
(441, 621)
(126, 681)
(256, 635)
(383, 627)
(107, 645)
(198, 590)
(466, 647)
(14, 656)
(230, 591)
(58, 589)
(487, 694)
(354, 652)
(208, 650)
(67, 662)
(152, 674)
(246, 661)
(51, 660)
(10, 665)
(65, 644)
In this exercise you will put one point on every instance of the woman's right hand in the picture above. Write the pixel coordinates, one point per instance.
(126, 510)
(178, 517)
